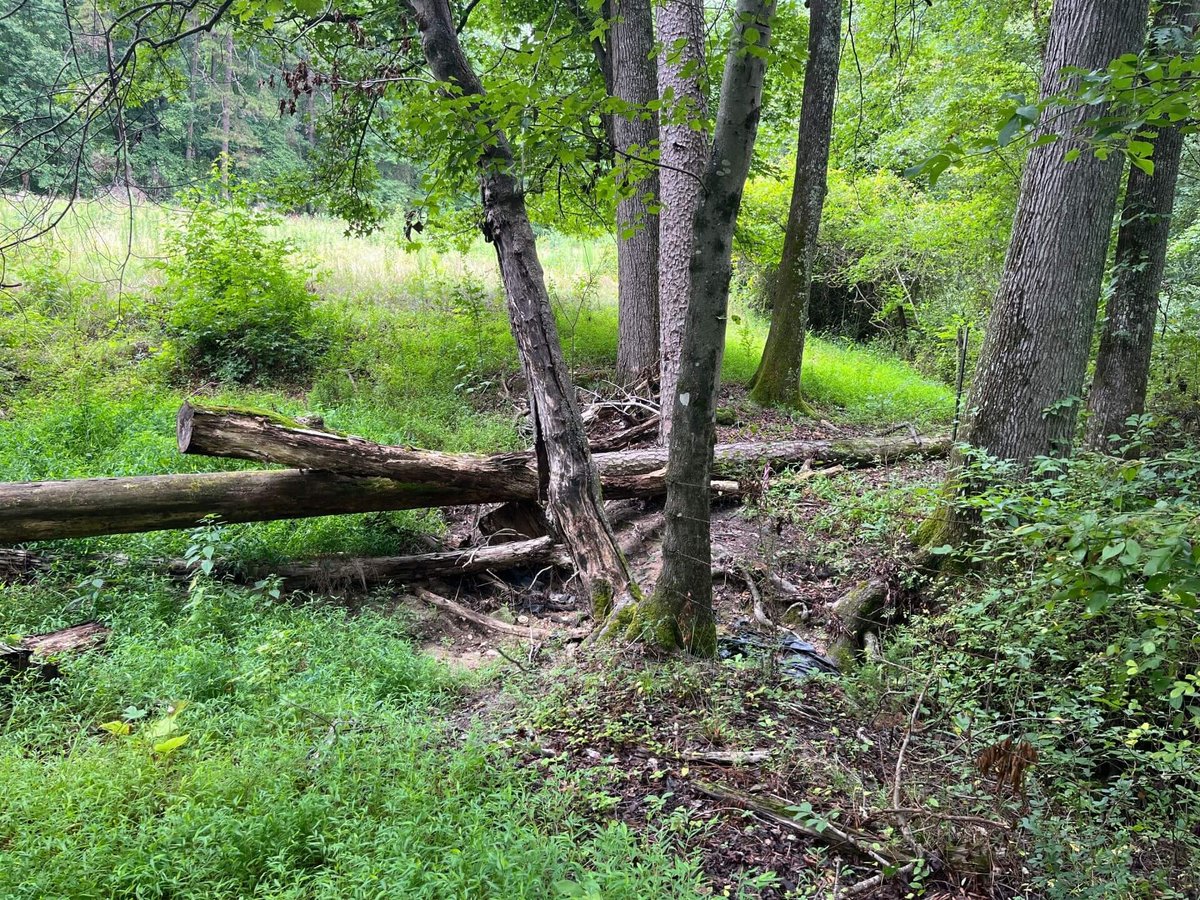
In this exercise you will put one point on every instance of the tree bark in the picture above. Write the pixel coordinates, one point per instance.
(778, 378)
(635, 83)
(48, 510)
(227, 111)
(266, 438)
(1123, 362)
(1031, 369)
(680, 613)
(189, 146)
(572, 486)
(683, 154)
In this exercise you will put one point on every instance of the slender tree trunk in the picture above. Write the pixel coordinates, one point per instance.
(680, 612)
(635, 82)
(778, 378)
(565, 464)
(189, 145)
(1031, 369)
(683, 155)
(1123, 362)
(226, 110)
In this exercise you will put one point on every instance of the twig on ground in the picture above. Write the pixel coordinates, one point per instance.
(482, 620)
(875, 881)
(775, 811)
(515, 662)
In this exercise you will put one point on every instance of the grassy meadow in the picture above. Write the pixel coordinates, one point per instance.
(225, 745)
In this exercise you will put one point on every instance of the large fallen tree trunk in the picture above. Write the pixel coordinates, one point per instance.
(87, 507)
(243, 434)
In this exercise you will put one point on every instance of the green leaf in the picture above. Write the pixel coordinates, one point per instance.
(116, 727)
(170, 745)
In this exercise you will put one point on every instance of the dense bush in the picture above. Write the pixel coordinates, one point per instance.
(1081, 636)
(237, 303)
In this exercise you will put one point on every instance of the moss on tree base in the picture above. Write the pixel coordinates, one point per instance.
(657, 624)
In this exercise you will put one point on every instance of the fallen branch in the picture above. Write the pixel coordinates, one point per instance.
(776, 811)
(488, 623)
(727, 757)
(875, 881)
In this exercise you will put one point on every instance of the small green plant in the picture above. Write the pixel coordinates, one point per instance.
(237, 305)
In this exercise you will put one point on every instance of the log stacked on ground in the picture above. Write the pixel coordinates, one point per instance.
(340, 475)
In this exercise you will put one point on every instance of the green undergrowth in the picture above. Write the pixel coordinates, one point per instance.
(1075, 631)
(223, 745)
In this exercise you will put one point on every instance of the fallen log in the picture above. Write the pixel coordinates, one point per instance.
(20, 563)
(87, 507)
(45, 510)
(241, 434)
(335, 573)
(490, 623)
(269, 438)
(42, 650)
(339, 573)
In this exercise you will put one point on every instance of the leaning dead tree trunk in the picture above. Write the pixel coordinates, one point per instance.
(680, 613)
(47, 510)
(572, 486)
(683, 154)
(1123, 362)
(778, 378)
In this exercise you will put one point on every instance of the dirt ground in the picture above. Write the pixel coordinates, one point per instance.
(787, 742)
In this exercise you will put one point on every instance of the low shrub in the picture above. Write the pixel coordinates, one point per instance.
(1078, 632)
(237, 305)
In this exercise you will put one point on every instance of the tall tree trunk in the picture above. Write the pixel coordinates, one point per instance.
(565, 464)
(226, 110)
(1031, 369)
(189, 144)
(680, 612)
(778, 377)
(635, 82)
(1123, 362)
(682, 156)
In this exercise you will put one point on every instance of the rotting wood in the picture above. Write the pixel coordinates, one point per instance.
(20, 563)
(777, 811)
(727, 757)
(631, 435)
(489, 623)
(265, 438)
(855, 611)
(42, 650)
(46, 510)
(339, 573)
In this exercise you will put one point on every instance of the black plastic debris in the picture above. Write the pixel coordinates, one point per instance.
(795, 657)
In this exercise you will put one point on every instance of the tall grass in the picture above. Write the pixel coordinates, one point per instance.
(417, 351)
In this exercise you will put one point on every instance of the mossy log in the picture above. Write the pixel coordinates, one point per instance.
(857, 610)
